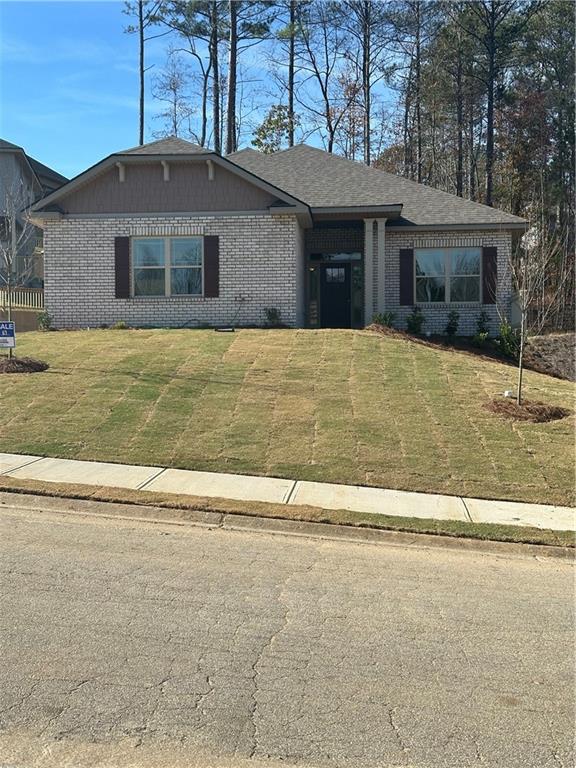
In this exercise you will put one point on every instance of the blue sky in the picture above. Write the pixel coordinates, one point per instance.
(69, 81)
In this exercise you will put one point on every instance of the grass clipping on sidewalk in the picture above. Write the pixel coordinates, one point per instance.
(183, 506)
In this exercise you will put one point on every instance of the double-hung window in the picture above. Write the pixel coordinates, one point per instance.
(167, 266)
(447, 275)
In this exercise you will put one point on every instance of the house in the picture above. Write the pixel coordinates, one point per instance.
(22, 180)
(172, 234)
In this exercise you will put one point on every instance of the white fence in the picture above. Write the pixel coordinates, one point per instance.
(23, 298)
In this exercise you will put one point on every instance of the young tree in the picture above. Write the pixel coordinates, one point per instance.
(532, 265)
(171, 88)
(274, 129)
(17, 238)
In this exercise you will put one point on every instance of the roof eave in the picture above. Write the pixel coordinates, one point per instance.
(498, 225)
(392, 211)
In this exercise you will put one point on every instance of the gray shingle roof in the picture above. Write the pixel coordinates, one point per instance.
(169, 146)
(48, 177)
(323, 180)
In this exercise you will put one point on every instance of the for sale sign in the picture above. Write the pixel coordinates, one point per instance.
(7, 335)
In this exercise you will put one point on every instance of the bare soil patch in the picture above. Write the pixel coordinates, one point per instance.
(530, 410)
(22, 365)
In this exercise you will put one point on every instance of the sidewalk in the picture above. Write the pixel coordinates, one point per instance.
(280, 491)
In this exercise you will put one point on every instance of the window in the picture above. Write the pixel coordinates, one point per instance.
(450, 275)
(167, 266)
(335, 275)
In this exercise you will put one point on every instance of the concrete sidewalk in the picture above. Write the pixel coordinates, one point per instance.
(280, 491)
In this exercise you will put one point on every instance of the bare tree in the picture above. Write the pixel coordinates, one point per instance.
(321, 57)
(17, 240)
(539, 286)
(171, 87)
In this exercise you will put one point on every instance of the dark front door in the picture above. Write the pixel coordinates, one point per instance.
(335, 296)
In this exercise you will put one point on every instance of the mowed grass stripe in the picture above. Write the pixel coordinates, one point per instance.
(336, 406)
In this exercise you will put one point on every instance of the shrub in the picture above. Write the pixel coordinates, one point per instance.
(273, 317)
(452, 324)
(480, 339)
(384, 318)
(508, 340)
(415, 321)
(119, 325)
(482, 324)
(44, 321)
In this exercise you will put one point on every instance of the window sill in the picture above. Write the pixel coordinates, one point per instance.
(180, 297)
(447, 304)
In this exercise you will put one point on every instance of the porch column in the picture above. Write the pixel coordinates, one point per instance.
(368, 270)
(381, 262)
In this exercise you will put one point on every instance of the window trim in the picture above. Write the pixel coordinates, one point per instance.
(448, 276)
(167, 267)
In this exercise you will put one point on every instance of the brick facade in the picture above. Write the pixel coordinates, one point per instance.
(437, 314)
(262, 264)
(260, 267)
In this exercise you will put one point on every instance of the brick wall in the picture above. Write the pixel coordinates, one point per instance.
(437, 315)
(258, 269)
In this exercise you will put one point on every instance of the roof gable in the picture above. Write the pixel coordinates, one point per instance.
(173, 151)
(171, 145)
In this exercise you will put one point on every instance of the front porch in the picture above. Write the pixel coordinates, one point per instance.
(345, 272)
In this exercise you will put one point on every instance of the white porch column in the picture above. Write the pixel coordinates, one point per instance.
(381, 262)
(368, 270)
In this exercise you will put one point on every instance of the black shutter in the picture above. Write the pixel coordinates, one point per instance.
(406, 276)
(489, 275)
(122, 267)
(211, 266)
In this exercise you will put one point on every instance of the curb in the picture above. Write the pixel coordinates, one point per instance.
(268, 525)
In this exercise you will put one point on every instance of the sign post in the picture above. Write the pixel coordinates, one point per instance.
(7, 336)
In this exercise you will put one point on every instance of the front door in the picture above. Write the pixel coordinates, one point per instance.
(335, 296)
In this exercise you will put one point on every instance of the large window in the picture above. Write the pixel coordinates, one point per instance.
(449, 275)
(167, 266)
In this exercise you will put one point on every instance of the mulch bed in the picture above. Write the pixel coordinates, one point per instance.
(530, 410)
(21, 365)
(458, 343)
(553, 354)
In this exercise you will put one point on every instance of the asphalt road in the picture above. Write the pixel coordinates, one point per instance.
(136, 644)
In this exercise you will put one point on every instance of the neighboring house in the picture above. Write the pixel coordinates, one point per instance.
(171, 234)
(23, 180)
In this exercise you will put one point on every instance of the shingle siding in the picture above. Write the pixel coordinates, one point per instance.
(258, 269)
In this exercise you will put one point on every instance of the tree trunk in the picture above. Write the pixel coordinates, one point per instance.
(471, 156)
(215, 76)
(406, 126)
(417, 96)
(232, 65)
(204, 119)
(291, 67)
(459, 129)
(491, 49)
(366, 55)
(141, 68)
(521, 353)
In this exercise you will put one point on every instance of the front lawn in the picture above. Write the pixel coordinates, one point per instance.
(335, 406)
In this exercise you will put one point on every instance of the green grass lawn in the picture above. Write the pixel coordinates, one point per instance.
(334, 406)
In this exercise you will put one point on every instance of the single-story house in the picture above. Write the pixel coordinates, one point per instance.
(173, 234)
